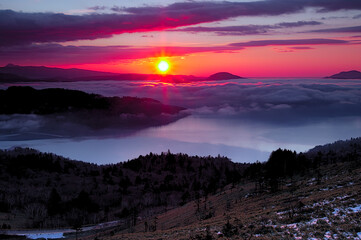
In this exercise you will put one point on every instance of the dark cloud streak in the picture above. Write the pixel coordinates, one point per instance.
(312, 41)
(247, 29)
(354, 29)
(299, 24)
(97, 8)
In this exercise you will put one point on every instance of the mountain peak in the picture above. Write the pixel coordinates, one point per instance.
(223, 76)
(10, 65)
(353, 74)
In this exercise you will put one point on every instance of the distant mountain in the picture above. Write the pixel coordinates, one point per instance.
(16, 73)
(59, 74)
(47, 73)
(223, 76)
(347, 75)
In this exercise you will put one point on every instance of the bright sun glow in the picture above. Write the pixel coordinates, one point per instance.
(163, 66)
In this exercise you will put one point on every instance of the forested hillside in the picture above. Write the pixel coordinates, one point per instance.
(27, 100)
(50, 191)
(283, 164)
(56, 112)
(311, 195)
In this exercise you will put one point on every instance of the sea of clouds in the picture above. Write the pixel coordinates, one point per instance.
(247, 115)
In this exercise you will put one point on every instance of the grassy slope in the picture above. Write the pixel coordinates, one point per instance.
(305, 207)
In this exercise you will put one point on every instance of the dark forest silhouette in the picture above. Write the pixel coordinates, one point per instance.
(58, 192)
(75, 113)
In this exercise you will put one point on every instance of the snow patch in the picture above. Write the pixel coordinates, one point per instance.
(328, 235)
(355, 209)
(45, 235)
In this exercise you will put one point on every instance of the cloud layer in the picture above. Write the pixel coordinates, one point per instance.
(281, 102)
(256, 114)
(25, 28)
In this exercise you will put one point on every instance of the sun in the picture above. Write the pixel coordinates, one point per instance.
(163, 66)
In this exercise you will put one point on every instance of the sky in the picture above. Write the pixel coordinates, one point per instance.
(266, 38)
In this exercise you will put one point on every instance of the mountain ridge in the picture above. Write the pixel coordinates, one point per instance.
(52, 74)
(353, 74)
(48, 73)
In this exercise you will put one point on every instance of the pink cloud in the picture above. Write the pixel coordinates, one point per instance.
(25, 28)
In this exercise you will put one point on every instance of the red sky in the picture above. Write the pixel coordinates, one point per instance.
(267, 38)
